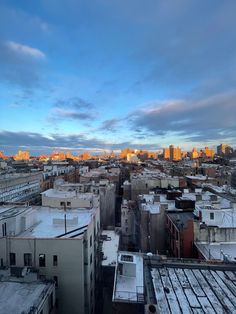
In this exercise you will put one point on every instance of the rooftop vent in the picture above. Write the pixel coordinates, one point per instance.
(127, 258)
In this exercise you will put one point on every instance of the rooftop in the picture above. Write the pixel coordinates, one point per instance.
(225, 251)
(110, 247)
(67, 194)
(181, 219)
(51, 223)
(46, 222)
(18, 296)
(193, 289)
(128, 284)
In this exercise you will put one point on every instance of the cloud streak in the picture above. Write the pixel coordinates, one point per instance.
(24, 50)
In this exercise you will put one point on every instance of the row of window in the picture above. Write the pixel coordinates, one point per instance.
(29, 262)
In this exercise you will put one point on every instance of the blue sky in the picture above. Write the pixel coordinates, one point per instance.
(109, 74)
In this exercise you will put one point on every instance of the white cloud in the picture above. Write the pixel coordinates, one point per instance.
(25, 50)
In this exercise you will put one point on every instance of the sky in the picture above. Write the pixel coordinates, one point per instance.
(108, 74)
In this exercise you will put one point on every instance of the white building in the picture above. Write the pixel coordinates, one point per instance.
(128, 285)
(20, 186)
(73, 195)
(61, 245)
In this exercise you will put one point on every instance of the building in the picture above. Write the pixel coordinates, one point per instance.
(21, 291)
(175, 153)
(180, 234)
(73, 195)
(221, 149)
(215, 231)
(194, 153)
(146, 283)
(188, 287)
(22, 155)
(69, 199)
(128, 290)
(60, 245)
(19, 187)
(166, 153)
(152, 223)
(129, 225)
(110, 246)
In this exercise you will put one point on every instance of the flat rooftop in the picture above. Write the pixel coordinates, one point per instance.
(110, 247)
(53, 193)
(51, 223)
(19, 297)
(218, 251)
(181, 219)
(193, 289)
(128, 284)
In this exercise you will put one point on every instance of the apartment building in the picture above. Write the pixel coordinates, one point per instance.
(73, 195)
(61, 245)
(18, 187)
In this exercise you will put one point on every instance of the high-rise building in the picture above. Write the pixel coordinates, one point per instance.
(166, 153)
(224, 149)
(175, 153)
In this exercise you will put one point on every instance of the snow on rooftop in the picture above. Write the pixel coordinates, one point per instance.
(128, 286)
(152, 208)
(203, 178)
(66, 194)
(110, 247)
(51, 222)
(193, 290)
(218, 251)
(18, 298)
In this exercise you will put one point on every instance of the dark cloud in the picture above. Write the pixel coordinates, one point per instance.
(204, 119)
(10, 142)
(74, 108)
(110, 125)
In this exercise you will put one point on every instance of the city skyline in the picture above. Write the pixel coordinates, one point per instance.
(110, 75)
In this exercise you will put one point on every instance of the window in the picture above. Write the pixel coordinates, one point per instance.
(91, 276)
(90, 241)
(62, 203)
(55, 260)
(68, 203)
(12, 259)
(212, 216)
(4, 229)
(91, 258)
(42, 260)
(56, 280)
(27, 259)
(126, 221)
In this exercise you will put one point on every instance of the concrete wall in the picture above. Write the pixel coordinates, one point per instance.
(213, 234)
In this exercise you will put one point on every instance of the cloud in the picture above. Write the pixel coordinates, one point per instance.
(74, 108)
(63, 114)
(110, 125)
(206, 119)
(74, 102)
(21, 65)
(37, 143)
(24, 50)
